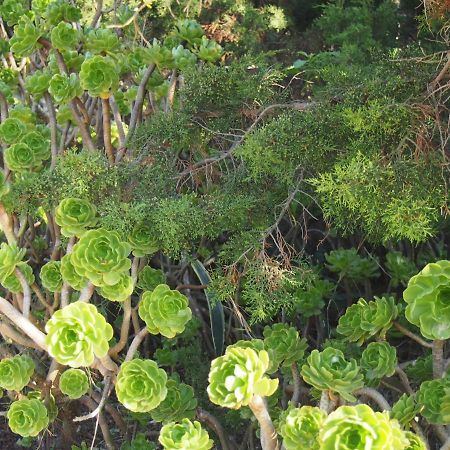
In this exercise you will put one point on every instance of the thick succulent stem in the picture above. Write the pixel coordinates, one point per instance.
(107, 130)
(209, 419)
(374, 395)
(269, 438)
(438, 358)
(26, 292)
(136, 343)
(297, 384)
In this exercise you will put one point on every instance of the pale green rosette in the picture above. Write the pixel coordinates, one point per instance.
(26, 36)
(120, 291)
(16, 372)
(415, 443)
(21, 158)
(142, 240)
(149, 278)
(77, 334)
(64, 88)
(12, 130)
(101, 40)
(141, 385)
(27, 417)
(39, 145)
(405, 409)
(12, 283)
(433, 400)
(238, 375)
(51, 277)
(70, 275)
(65, 37)
(378, 360)
(75, 215)
(165, 311)
(99, 76)
(10, 257)
(186, 435)
(74, 383)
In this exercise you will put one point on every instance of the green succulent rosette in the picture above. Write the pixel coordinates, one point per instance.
(12, 130)
(421, 369)
(400, 268)
(179, 403)
(189, 31)
(284, 345)
(149, 278)
(74, 383)
(142, 240)
(364, 320)
(300, 428)
(405, 409)
(138, 443)
(427, 296)
(59, 10)
(165, 311)
(415, 443)
(99, 76)
(27, 417)
(183, 57)
(120, 291)
(101, 40)
(16, 372)
(431, 398)
(26, 36)
(49, 403)
(237, 376)
(76, 334)
(329, 370)
(360, 428)
(70, 275)
(39, 144)
(10, 257)
(254, 344)
(21, 158)
(209, 50)
(64, 88)
(13, 284)
(159, 55)
(64, 36)
(25, 114)
(12, 10)
(101, 257)
(51, 277)
(75, 215)
(347, 263)
(378, 360)
(141, 385)
(185, 435)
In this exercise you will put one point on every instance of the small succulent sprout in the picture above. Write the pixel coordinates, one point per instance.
(70, 275)
(329, 370)
(75, 215)
(13, 284)
(26, 36)
(99, 76)
(74, 383)
(400, 268)
(179, 403)
(378, 360)
(12, 130)
(101, 40)
(142, 240)
(101, 257)
(76, 334)
(405, 409)
(27, 417)
(10, 257)
(21, 158)
(185, 435)
(209, 50)
(51, 276)
(360, 428)
(300, 428)
(238, 375)
(433, 400)
(311, 299)
(347, 263)
(149, 278)
(284, 345)
(189, 31)
(165, 311)
(141, 385)
(415, 443)
(16, 372)
(140, 442)
(364, 320)
(120, 291)
(39, 144)
(64, 36)
(427, 297)
(64, 88)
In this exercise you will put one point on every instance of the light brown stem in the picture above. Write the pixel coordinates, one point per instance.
(12, 334)
(297, 384)
(107, 130)
(41, 298)
(438, 358)
(26, 292)
(53, 129)
(212, 422)
(135, 344)
(7, 226)
(411, 335)
(86, 293)
(374, 395)
(269, 438)
(124, 330)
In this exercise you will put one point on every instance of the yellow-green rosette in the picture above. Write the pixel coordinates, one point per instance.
(185, 435)
(64, 88)
(27, 417)
(75, 215)
(149, 278)
(16, 372)
(142, 240)
(405, 409)
(415, 443)
(433, 400)
(64, 36)
(26, 36)
(13, 284)
(51, 277)
(120, 291)
(12, 130)
(10, 257)
(21, 158)
(74, 383)
(378, 360)
(99, 76)
(141, 385)
(39, 144)
(76, 334)
(70, 275)
(238, 375)
(165, 311)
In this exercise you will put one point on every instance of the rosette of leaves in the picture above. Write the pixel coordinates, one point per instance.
(141, 385)
(16, 372)
(421, 369)
(430, 398)
(427, 297)
(23, 113)
(179, 403)
(99, 76)
(165, 311)
(160, 55)
(27, 417)
(138, 443)
(185, 435)
(400, 268)
(70, 275)
(254, 344)
(142, 240)
(120, 291)
(76, 334)
(378, 360)
(50, 403)
(37, 83)
(21, 158)
(38, 143)
(405, 409)
(364, 320)
(311, 300)
(189, 31)
(329, 370)
(59, 10)
(183, 57)
(26, 36)
(64, 37)
(12, 10)
(101, 40)
(74, 215)
(10, 257)
(238, 375)
(51, 277)
(13, 284)
(101, 257)
(149, 278)
(209, 50)
(300, 428)
(74, 383)
(64, 88)
(415, 443)
(360, 428)
(284, 345)
(12, 130)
